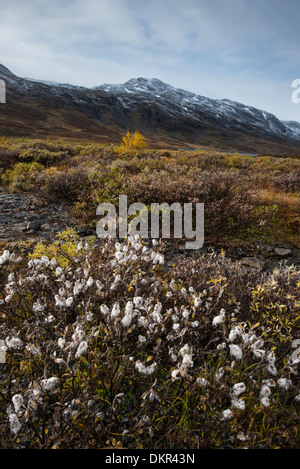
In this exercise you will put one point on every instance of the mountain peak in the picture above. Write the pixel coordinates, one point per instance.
(136, 85)
(145, 81)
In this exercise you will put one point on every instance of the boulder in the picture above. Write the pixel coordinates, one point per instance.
(282, 252)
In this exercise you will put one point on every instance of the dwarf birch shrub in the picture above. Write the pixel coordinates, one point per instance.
(23, 176)
(130, 143)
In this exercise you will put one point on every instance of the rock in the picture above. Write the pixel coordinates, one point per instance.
(283, 252)
(34, 225)
(19, 227)
(86, 231)
(253, 262)
(22, 216)
(264, 247)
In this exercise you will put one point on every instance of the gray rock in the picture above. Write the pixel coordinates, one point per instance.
(264, 247)
(283, 252)
(19, 227)
(34, 225)
(253, 262)
(21, 215)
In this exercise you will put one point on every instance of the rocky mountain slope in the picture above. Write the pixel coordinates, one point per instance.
(167, 116)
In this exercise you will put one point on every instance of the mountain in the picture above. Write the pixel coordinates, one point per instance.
(4, 72)
(294, 127)
(166, 116)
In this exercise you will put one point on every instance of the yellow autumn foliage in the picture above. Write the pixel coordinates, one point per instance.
(131, 142)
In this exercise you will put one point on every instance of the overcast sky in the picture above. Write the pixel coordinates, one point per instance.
(244, 50)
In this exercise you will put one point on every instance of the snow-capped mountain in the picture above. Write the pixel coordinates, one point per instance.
(136, 91)
(294, 128)
(166, 115)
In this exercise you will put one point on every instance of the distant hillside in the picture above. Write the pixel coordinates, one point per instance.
(167, 116)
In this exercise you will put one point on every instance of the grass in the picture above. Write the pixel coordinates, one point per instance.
(106, 346)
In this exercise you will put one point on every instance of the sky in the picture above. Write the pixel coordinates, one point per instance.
(244, 50)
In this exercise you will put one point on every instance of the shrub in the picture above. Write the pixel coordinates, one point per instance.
(4, 141)
(43, 156)
(247, 199)
(64, 250)
(130, 143)
(68, 184)
(8, 158)
(113, 348)
(289, 182)
(23, 176)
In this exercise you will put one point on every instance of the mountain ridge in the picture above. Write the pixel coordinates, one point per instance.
(166, 115)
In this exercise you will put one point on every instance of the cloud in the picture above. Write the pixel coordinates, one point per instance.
(241, 50)
(231, 31)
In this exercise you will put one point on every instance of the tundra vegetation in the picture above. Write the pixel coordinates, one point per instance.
(104, 345)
